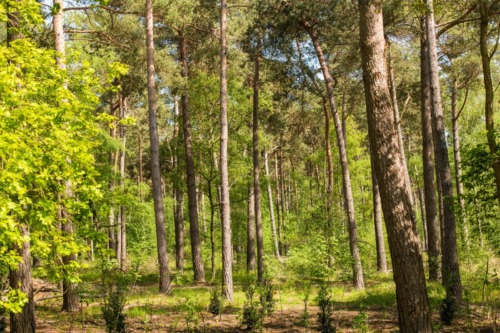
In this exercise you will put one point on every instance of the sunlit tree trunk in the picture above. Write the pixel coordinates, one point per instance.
(177, 194)
(251, 230)
(455, 113)
(161, 237)
(411, 294)
(450, 267)
(227, 256)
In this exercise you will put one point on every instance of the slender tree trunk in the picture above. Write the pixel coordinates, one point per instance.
(377, 219)
(161, 236)
(458, 161)
(281, 182)
(194, 228)
(251, 230)
(411, 293)
(431, 217)
(329, 184)
(177, 194)
(450, 268)
(394, 98)
(346, 179)
(256, 170)
(424, 221)
(122, 234)
(70, 295)
(227, 256)
(278, 205)
(271, 207)
(212, 227)
(489, 92)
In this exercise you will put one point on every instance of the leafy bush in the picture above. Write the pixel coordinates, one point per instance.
(266, 297)
(112, 310)
(251, 315)
(215, 305)
(325, 319)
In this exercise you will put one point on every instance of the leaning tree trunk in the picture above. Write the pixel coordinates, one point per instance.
(431, 217)
(227, 247)
(256, 170)
(458, 159)
(70, 295)
(489, 92)
(450, 268)
(346, 178)
(271, 207)
(161, 236)
(194, 228)
(411, 293)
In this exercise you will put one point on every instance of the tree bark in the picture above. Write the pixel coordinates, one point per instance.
(161, 237)
(431, 217)
(20, 278)
(256, 170)
(271, 207)
(346, 178)
(450, 267)
(194, 228)
(489, 93)
(377, 219)
(411, 294)
(227, 256)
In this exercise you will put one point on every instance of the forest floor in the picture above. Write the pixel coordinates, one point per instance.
(185, 310)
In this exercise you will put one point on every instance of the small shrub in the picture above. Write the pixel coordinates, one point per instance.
(361, 321)
(193, 316)
(251, 314)
(215, 305)
(448, 310)
(325, 319)
(266, 297)
(304, 321)
(112, 310)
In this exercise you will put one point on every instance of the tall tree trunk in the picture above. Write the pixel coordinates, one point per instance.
(458, 159)
(411, 294)
(121, 251)
(281, 183)
(256, 170)
(329, 184)
(178, 206)
(271, 207)
(227, 256)
(161, 236)
(431, 217)
(251, 230)
(450, 268)
(70, 295)
(377, 219)
(489, 93)
(194, 228)
(346, 178)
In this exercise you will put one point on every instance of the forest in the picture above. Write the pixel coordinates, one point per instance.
(249, 165)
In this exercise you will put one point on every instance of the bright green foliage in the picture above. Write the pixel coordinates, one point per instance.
(47, 135)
